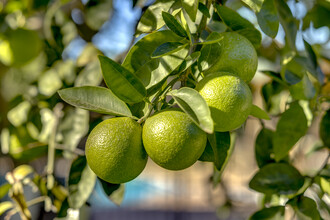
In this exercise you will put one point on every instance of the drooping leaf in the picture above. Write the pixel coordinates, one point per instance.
(216, 149)
(236, 22)
(305, 208)
(314, 69)
(289, 23)
(290, 128)
(210, 53)
(190, 6)
(202, 8)
(152, 18)
(152, 71)
(115, 192)
(81, 182)
(222, 145)
(268, 18)
(324, 129)
(192, 103)
(277, 178)
(254, 4)
(97, 99)
(259, 113)
(167, 49)
(173, 24)
(4, 189)
(124, 84)
(271, 213)
(264, 147)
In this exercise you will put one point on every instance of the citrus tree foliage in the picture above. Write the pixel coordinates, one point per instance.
(46, 100)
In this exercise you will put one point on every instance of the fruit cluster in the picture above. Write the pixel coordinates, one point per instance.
(117, 149)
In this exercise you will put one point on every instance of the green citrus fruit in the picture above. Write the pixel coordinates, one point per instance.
(229, 99)
(172, 140)
(237, 56)
(114, 150)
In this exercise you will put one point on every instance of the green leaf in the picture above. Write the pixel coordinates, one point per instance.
(255, 5)
(97, 99)
(216, 150)
(303, 90)
(4, 189)
(192, 103)
(289, 23)
(202, 8)
(153, 71)
(271, 213)
(236, 22)
(173, 24)
(115, 192)
(124, 84)
(324, 129)
(222, 145)
(312, 58)
(264, 147)
(81, 183)
(277, 178)
(190, 6)
(210, 53)
(305, 208)
(290, 128)
(268, 18)
(73, 127)
(190, 60)
(325, 185)
(152, 18)
(5, 206)
(167, 49)
(275, 76)
(259, 113)
(319, 15)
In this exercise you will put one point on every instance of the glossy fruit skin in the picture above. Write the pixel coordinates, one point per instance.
(114, 150)
(229, 99)
(172, 140)
(237, 56)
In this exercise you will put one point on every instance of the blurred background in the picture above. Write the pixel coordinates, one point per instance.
(47, 45)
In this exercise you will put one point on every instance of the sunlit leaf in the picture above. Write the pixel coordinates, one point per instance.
(96, 99)
(271, 213)
(174, 25)
(81, 183)
(5, 206)
(152, 18)
(152, 71)
(259, 113)
(290, 128)
(210, 53)
(49, 83)
(277, 178)
(254, 4)
(124, 84)
(190, 6)
(268, 18)
(264, 147)
(191, 102)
